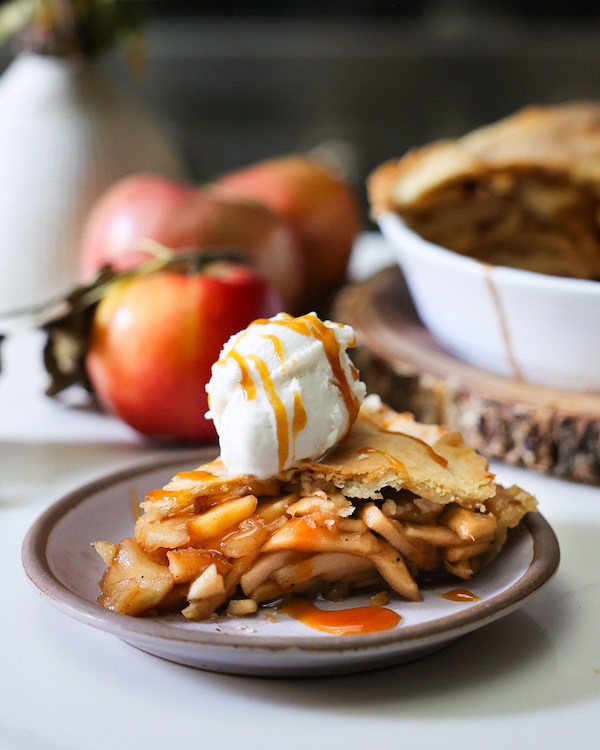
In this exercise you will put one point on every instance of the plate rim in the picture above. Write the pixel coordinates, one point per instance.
(543, 566)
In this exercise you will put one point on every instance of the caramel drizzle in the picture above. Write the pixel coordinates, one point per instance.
(443, 462)
(307, 325)
(277, 345)
(249, 388)
(247, 383)
(401, 468)
(310, 325)
(502, 324)
(279, 410)
(195, 476)
(299, 419)
(155, 495)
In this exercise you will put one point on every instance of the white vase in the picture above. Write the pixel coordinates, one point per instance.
(66, 134)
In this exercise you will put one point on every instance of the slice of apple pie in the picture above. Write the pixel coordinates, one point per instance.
(395, 501)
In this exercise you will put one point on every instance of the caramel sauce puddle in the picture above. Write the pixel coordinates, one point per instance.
(460, 595)
(341, 621)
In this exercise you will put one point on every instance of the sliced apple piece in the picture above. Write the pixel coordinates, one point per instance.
(208, 584)
(187, 564)
(469, 525)
(133, 582)
(218, 520)
(304, 535)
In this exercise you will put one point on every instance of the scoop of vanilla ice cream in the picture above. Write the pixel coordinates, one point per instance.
(283, 389)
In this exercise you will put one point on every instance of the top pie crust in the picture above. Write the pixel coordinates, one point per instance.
(384, 449)
(442, 469)
(522, 192)
(563, 139)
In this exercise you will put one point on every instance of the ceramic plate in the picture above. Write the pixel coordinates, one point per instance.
(60, 561)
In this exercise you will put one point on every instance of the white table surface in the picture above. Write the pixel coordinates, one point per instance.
(530, 680)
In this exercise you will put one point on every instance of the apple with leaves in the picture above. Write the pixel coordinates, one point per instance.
(154, 337)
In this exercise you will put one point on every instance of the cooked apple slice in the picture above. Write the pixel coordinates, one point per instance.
(187, 564)
(208, 584)
(469, 525)
(466, 551)
(304, 535)
(262, 569)
(392, 567)
(216, 521)
(169, 533)
(133, 582)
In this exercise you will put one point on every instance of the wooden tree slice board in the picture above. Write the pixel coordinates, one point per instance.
(553, 431)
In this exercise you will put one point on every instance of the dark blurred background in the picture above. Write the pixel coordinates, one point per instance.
(362, 80)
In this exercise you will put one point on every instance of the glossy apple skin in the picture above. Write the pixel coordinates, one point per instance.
(183, 217)
(154, 339)
(322, 209)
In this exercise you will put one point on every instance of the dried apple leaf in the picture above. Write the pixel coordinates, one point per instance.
(67, 326)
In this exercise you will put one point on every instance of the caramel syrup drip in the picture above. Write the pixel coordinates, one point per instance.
(281, 418)
(154, 495)
(333, 353)
(299, 419)
(443, 462)
(304, 570)
(307, 325)
(247, 383)
(460, 595)
(341, 621)
(249, 388)
(278, 346)
(195, 476)
(393, 461)
(310, 325)
(135, 502)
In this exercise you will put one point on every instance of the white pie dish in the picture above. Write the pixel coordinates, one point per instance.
(524, 325)
(59, 560)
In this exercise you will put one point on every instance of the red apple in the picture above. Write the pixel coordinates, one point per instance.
(154, 339)
(147, 207)
(322, 209)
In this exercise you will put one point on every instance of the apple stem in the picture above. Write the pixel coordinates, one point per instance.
(193, 261)
(153, 248)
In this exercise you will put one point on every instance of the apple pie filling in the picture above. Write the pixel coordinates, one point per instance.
(395, 502)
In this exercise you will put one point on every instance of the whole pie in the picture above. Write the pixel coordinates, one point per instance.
(523, 192)
(395, 502)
